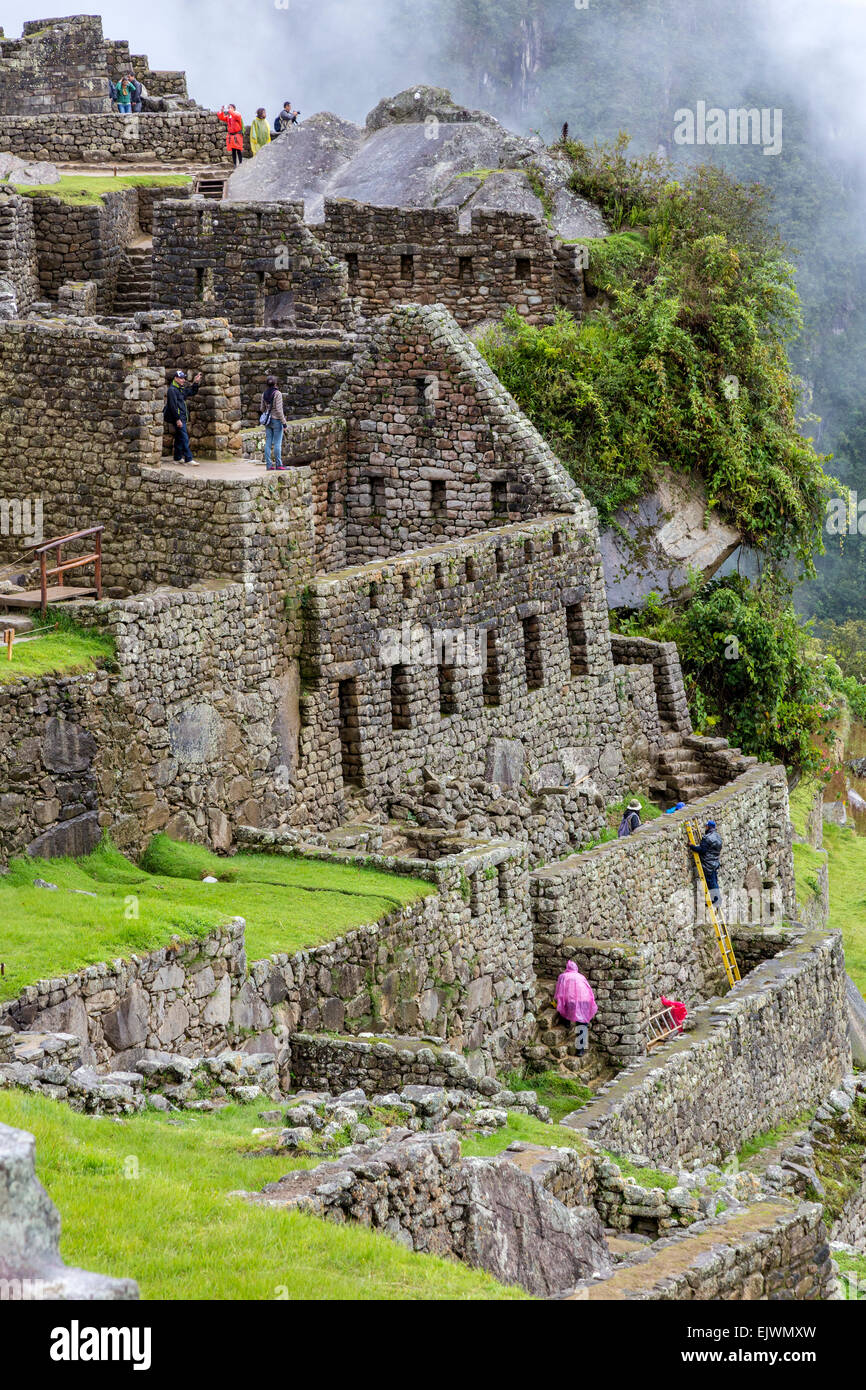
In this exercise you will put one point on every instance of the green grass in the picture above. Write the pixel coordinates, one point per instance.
(561, 1094)
(526, 1128)
(68, 649)
(289, 904)
(80, 188)
(176, 1229)
(846, 858)
(853, 1287)
(768, 1137)
(644, 1177)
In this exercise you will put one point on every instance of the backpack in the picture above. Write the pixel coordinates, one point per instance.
(626, 826)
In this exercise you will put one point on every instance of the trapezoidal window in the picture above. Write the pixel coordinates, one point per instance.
(471, 573)
(352, 266)
(465, 273)
(502, 886)
(350, 732)
(377, 495)
(499, 496)
(437, 496)
(522, 268)
(407, 268)
(447, 690)
(474, 895)
(532, 653)
(438, 577)
(575, 626)
(557, 542)
(400, 713)
(199, 284)
(500, 560)
(333, 499)
(528, 552)
(490, 682)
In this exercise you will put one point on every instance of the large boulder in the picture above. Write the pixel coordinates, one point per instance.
(30, 1263)
(418, 149)
(521, 1234)
(27, 171)
(656, 542)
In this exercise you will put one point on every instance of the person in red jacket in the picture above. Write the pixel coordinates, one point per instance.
(234, 123)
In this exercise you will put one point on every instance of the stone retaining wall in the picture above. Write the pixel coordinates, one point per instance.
(178, 997)
(171, 137)
(771, 1251)
(851, 1225)
(759, 1058)
(84, 241)
(323, 1062)
(643, 888)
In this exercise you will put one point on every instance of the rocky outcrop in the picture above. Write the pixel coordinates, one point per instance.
(419, 149)
(488, 1213)
(655, 543)
(30, 1263)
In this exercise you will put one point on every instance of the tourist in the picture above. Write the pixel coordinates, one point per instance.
(234, 123)
(176, 413)
(709, 851)
(274, 421)
(575, 1002)
(135, 89)
(286, 117)
(630, 821)
(123, 93)
(260, 131)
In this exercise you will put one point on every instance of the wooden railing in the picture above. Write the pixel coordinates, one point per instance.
(64, 566)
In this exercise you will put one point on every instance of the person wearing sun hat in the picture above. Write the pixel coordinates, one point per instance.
(630, 821)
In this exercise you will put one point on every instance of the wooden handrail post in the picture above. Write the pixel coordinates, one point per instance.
(43, 584)
(97, 568)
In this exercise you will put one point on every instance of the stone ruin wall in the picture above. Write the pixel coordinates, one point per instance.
(255, 264)
(18, 254)
(642, 890)
(458, 971)
(778, 1041)
(476, 266)
(58, 67)
(544, 619)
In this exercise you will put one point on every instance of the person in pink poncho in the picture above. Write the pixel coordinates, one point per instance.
(575, 1002)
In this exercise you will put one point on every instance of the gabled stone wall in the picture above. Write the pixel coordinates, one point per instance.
(436, 446)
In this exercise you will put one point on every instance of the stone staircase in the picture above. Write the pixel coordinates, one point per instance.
(679, 771)
(133, 282)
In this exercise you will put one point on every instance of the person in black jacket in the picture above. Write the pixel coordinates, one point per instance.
(709, 851)
(176, 413)
(288, 116)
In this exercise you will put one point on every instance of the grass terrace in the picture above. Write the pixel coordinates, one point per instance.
(65, 649)
(85, 188)
(845, 853)
(105, 907)
(164, 1189)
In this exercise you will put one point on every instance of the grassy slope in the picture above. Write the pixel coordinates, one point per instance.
(68, 651)
(175, 1228)
(83, 188)
(289, 904)
(846, 857)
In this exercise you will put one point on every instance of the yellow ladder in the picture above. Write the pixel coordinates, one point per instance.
(732, 970)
